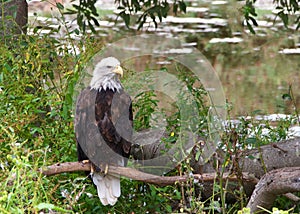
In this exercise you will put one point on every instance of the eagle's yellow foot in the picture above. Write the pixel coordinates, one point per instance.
(92, 169)
(92, 165)
(88, 161)
(103, 169)
(85, 161)
(106, 169)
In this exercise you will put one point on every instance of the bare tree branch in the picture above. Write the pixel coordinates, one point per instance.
(292, 197)
(140, 176)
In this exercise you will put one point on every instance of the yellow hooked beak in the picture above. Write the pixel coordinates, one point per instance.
(118, 70)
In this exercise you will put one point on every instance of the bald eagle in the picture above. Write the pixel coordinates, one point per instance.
(103, 127)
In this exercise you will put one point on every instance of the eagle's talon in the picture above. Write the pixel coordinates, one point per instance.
(102, 172)
(106, 169)
(85, 161)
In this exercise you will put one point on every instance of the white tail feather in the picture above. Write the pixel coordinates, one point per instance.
(108, 188)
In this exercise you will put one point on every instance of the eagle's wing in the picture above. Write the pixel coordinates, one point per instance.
(122, 118)
(86, 130)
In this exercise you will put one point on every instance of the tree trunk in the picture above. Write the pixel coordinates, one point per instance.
(13, 17)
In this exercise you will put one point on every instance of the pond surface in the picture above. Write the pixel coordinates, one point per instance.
(255, 70)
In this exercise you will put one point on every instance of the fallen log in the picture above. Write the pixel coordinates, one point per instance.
(274, 183)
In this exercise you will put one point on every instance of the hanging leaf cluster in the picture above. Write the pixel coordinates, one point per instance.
(148, 10)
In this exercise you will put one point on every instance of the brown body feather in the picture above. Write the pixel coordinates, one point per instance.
(103, 126)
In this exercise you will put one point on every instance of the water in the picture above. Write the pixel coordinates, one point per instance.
(255, 70)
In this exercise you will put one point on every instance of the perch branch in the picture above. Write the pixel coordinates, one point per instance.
(138, 175)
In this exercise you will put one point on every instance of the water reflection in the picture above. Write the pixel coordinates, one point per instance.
(255, 70)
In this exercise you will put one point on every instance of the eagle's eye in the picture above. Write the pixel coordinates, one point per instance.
(109, 66)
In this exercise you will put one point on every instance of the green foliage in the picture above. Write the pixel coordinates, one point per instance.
(144, 106)
(249, 14)
(36, 123)
(156, 10)
(288, 7)
(285, 10)
(150, 9)
(244, 211)
(290, 96)
(200, 100)
(86, 14)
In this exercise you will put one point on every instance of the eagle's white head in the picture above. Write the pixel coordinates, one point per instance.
(106, 75)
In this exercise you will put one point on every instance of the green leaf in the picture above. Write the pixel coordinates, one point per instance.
(42, 206)
(125, 17)
(59, 6)
(76, 31)
(253, 21)
(95, 21)
(1, 77)
(7, 67)
(91, 26)
(284, 17)
(197, 156)
(182, 6)
(83, 27)
(175, 8)
(77, 7)
(80, 20)
(70, 11)
(250, 27)
(48, 206)
(286, 97)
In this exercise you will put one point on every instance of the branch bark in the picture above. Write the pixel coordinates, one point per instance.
(272, 184)
(138, 175)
